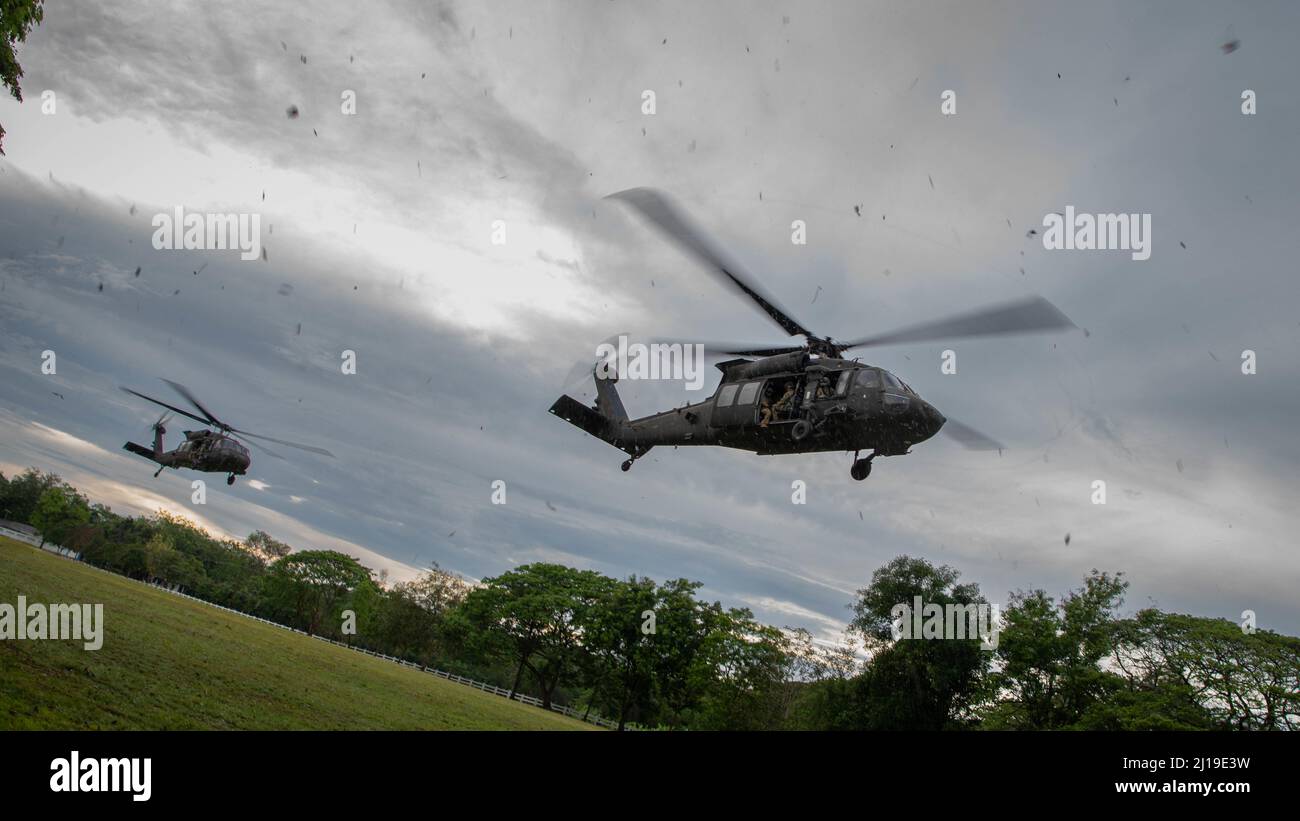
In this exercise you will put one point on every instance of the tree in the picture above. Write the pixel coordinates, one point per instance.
(59, 511)
(260, 544)
(164, 563)
(818, 682)
(22, 492)
(411, 618)
(742, 664)
(1237, 680)
(916, 684)
(1052, 655)
(17, 19)
(231, 574)
(311, 584)
(620, 648)
(533, 616)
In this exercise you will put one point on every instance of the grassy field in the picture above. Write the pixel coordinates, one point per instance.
(170, 663)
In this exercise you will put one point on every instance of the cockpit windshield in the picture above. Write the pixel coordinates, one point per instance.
(891, 380)
(231, 446)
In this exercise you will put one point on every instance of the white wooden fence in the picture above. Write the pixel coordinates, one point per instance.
(581, 715)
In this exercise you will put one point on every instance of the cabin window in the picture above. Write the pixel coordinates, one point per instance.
(748, 393)
(727, 394)
(842, 386)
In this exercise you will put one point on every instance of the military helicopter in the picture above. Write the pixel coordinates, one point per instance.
(209, 451)
(794, 398)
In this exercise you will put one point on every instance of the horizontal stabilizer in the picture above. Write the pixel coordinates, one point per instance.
(601, 427)
(578, 414)
(139, 450)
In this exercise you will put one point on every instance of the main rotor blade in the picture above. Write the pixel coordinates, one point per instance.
(264, 449)
(185, 392)
(1021, 316)
(321, 451)
(758, 351)
(968, 436)
(672, 221)
(735, 348)
(168, 407)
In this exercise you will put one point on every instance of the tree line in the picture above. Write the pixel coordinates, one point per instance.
(655, 654)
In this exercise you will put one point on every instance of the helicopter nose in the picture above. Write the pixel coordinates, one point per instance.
(931, 419)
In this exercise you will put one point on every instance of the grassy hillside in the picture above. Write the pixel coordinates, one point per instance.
(170, 663)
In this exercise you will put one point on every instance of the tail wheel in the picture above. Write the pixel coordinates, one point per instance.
(230, 480)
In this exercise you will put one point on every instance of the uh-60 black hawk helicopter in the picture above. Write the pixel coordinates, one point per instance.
(209, 451)
(780, 399)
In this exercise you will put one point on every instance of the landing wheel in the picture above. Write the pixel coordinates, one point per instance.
(230, 480)
(799, 430)
(627, 465)
(861, 469)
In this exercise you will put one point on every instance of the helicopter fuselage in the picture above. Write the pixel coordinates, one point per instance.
(778, 405)
(202, 450)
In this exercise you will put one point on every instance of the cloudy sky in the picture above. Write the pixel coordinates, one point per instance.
(378, 228)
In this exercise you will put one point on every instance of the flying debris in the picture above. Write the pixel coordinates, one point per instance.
(292, 113)
(1230, 46)
(1067, 540)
